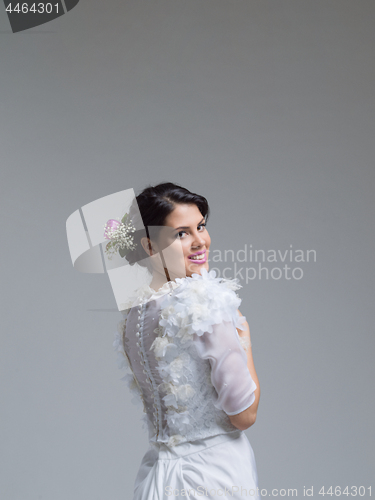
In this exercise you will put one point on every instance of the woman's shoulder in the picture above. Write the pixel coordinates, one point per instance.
(206, 288)
(199, 302)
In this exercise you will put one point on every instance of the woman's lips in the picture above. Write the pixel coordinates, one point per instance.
(201, 260)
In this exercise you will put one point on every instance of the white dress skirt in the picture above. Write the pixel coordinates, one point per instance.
(221, 466)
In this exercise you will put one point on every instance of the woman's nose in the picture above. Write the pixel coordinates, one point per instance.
(199, 241)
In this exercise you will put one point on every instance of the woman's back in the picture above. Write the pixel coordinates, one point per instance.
(185, 359)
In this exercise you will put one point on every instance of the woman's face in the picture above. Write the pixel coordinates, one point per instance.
(189, 228)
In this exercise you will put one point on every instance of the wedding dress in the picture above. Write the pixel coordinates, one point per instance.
(188, 368)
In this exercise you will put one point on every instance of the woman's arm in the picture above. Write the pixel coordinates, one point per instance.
(247, 418)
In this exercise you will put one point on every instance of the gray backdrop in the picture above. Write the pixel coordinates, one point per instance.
(267, 109)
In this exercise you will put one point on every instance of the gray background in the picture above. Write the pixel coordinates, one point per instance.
(266, 108)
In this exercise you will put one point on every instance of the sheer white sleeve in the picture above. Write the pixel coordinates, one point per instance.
(229, 373)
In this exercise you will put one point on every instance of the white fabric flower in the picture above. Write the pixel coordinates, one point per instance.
(240, 322)
(160, 346)
(177, 394)
(170, 400)
(179, 420)
(122, 361)
(175, 439)
(173, 370)
(184, 392)
(136, 393)
(117, 343)
(145, 422)
(134, 389)
(184, 335)
(200, 302)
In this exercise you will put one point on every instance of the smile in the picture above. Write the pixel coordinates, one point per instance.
(199, 257)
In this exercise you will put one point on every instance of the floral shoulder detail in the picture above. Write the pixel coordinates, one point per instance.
(200, 302)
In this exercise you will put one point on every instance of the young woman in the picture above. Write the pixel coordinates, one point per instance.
(189, 353)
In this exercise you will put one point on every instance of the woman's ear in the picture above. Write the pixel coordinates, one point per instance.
(147, 247)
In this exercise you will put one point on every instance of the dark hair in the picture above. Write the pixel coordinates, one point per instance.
(155, 204)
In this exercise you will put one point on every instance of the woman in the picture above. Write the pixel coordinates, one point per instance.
(188, 350)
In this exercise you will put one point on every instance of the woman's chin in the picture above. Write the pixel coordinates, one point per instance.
(196, 268)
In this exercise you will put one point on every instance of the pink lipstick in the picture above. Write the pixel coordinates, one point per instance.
(199, 260)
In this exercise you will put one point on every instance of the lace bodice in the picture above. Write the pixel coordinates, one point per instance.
(184, 358)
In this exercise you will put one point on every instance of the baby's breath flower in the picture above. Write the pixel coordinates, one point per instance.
(120, 235)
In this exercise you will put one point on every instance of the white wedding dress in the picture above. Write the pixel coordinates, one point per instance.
(188, 367)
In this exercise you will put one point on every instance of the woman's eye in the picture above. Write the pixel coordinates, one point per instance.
(201, 226)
